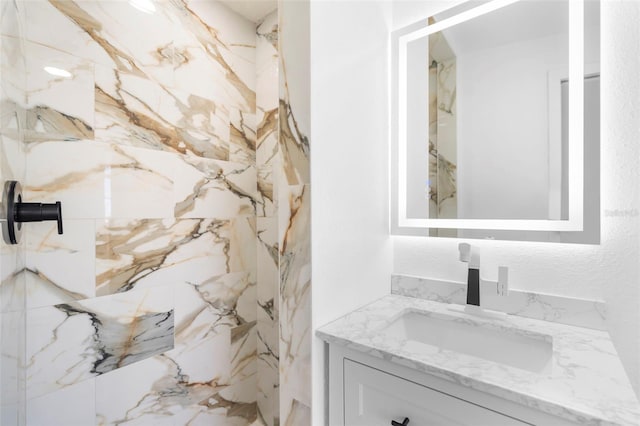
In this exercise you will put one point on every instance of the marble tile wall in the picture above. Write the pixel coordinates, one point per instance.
(180, 291)
(268, 166)
(12, 257)
(147, 310)
(294, 215)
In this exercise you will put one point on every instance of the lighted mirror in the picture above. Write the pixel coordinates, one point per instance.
(495, 121)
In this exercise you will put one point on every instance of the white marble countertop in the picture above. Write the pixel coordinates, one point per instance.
(586, 382)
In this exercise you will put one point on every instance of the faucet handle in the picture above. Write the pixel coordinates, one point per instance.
(465, 252)
(503, 281)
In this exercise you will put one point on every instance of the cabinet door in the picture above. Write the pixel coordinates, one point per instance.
(375, 398)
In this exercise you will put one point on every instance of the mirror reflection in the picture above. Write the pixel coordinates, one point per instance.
(487, 113)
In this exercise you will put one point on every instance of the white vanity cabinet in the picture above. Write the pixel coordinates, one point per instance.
(367, 391)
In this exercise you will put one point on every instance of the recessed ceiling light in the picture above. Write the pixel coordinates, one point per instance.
(145, 6)
(58, 72)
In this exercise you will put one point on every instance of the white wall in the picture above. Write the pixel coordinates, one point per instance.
(607, 271)
(351, 250)
(621, 177)
(492, 145)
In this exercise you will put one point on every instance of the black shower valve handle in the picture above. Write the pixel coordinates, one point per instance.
(39, 212)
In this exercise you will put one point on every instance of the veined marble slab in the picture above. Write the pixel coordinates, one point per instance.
(548, 307)
(116, 181)
(150, 253)
(72, 342)
(587, 383)
(293, 189)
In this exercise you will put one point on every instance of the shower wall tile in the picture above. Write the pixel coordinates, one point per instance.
(267, 326)
(157, 391)
(243, 375)
(160, 189)
(221, 45)
(59, 268)
(150, 252)
(99, 180)
(242, 137)
(12, 257)
(53, 24)
(294, 215)
(12, 86)
(12, 378)
(11, 19)
(73, 342)
(209, 188)
(267, 154)
(235, 34)
(207, 377)
(12, 278)
(133, 110)
(70, 406)
(58, 107)
(295, 305)
(268, 254)
(112, 33)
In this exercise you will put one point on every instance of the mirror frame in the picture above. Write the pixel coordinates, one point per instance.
(403, 225)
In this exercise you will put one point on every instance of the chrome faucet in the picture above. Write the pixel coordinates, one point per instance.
(474, 281)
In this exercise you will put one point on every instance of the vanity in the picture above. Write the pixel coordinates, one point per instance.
(408, 358)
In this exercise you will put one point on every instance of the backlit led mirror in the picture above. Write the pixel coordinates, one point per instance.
(495, 122)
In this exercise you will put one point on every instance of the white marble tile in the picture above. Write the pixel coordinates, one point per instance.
(12, 278)
(151, 253)
(58, 108)
(267, 327)
(12, 19)
(242, 142)
(227, 60)
(70, 343)
(235, 32)
(243, 374)
(12, 86)
(13, 162)
(130, 395)
(268, 261)
(70, 406)
(50, 26)
(12, 374)
(295, 304)
(267, 63)
(111, 33)
(209, 188)
(59, 268)
(134, 110)
(291, 179)
(267, 149)
(99, 180)
(564, 310)
(205, 378)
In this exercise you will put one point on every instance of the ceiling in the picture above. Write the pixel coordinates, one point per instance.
(253, 10)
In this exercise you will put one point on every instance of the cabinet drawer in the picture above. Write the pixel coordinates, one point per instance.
(375, 398)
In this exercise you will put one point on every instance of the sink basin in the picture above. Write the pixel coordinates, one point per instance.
(526, 351)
